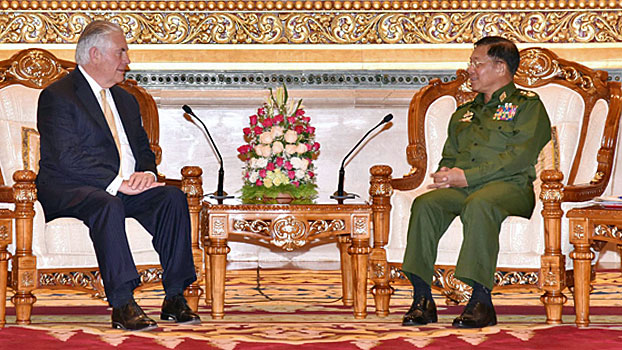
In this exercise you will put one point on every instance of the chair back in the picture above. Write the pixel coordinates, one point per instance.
(583, 106)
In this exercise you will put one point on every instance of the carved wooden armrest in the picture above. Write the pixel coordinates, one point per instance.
(6, 194)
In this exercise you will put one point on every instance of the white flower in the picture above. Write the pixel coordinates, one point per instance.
(258, 163)
(276, 131)
(299, 163)
(253, 177)
(265, 138)
(300, 174)
(277, 147)
(290, 149)
(291, 136)
(301, 148)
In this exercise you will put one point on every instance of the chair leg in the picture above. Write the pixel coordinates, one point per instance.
(4, 266)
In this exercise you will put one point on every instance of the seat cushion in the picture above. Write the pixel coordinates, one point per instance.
(65, 243)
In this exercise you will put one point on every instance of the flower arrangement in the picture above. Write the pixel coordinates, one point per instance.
(279, 152)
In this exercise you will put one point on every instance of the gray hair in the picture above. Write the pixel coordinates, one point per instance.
(94, 35)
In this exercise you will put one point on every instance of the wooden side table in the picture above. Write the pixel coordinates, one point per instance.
(588, 226)
(288, 227)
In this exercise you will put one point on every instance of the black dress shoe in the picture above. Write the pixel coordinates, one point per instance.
(421, 312)
(177, 309)
(131, 317)
(476, 315)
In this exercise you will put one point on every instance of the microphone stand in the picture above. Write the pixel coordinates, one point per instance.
(340, 195)
(220, 195)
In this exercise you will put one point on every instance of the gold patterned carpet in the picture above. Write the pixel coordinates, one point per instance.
(283, 309)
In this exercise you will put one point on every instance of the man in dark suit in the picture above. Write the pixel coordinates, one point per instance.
(96, 165)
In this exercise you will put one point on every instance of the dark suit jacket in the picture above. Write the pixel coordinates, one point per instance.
(78, 153)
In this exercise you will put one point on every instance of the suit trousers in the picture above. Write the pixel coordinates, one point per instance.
(163, 212)
(481, 210)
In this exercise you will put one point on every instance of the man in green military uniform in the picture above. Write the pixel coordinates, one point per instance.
(486, 174)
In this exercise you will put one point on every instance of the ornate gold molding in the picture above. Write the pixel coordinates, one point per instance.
(317, 22)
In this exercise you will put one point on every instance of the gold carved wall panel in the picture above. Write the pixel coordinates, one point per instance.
(317, 22)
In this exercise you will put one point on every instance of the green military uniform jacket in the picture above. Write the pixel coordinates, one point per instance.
(497, 140)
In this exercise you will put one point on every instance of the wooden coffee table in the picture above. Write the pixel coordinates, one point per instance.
(590, 225)
(288, 227)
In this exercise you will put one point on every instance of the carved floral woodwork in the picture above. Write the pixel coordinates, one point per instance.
(317, 22)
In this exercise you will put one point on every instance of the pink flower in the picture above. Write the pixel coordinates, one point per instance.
(258, 182)
(299, 129)
(253, 119)
(288, 165)
(261, 111)
(279, 161)
(310, 129)
(278, 118)
(291, 119)
(311, 174)
(296, 183)
(309, 146)
(258, 129)
(262, 173)
(270, 166)
(246, 131)
(244, 149)
(267, 122)
(316, 146)
(300, 112)
(247, 175)
(306, 119)
(291, 174)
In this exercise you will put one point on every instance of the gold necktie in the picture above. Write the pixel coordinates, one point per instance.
(112, 125)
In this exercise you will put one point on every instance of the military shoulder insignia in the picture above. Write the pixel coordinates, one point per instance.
(505, 112)
(503, 96)
(527, 93)
(467, 117)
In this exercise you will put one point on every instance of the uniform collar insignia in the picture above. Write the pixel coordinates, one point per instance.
(503, 96)
(467, 117)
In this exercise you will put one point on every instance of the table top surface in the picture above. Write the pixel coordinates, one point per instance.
(596, 210)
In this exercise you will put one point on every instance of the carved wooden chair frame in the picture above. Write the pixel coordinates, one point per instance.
(37, 68)
(538, 67)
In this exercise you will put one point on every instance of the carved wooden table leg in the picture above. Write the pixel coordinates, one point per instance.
(582, 257)
(208, 273)
(347, 282)
(218, 250)
(360, 254)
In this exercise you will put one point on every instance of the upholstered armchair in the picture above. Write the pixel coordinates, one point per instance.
(59, 254)
(576, 166)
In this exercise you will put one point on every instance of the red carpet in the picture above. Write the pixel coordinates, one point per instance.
(306, 315)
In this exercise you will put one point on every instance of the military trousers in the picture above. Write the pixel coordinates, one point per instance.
(481, 210)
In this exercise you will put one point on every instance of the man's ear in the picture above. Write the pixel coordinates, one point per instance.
(94, 54)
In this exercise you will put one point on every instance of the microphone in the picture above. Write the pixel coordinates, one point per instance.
(219, 195)
(340, 195)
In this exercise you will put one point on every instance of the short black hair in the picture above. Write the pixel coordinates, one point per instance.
(503, 49)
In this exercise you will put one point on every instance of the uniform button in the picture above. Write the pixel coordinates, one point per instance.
(499, 127)
(472, 159)
(475, 144)
(481, 128)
